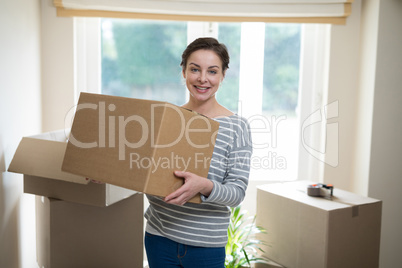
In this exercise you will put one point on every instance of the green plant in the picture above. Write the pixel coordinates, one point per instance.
(243, 247)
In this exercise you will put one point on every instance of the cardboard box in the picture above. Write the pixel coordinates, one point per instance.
(76, 235)
(137, 144)
(40, 158)
(269, 264)
(94, 194)
(314, 232)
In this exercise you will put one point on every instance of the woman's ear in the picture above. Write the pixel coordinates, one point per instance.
(183, 73)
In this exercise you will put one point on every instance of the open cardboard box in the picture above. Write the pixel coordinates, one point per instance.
(314, 232)
(40, 158)
(138, 144)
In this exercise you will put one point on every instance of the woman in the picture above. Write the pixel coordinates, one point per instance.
(181, 234)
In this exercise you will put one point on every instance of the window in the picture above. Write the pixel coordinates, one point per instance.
(140, 59)
(269, 89)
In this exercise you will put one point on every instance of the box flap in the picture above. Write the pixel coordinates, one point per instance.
(42, 158)
(58, 135)
(297, 191)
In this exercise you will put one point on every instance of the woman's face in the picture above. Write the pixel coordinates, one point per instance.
(203, 74)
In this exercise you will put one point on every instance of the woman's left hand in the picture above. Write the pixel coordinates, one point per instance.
(193, 184)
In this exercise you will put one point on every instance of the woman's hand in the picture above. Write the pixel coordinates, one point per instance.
(193, 184)
(94, 181)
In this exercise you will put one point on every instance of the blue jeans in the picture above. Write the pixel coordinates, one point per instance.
(165, 253)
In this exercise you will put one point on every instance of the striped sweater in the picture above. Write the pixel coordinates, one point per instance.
(206, 224)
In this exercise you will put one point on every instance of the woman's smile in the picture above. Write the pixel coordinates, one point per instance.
(201, 89)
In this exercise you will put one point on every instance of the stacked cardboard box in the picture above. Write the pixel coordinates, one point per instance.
(78, 223)
(314, 232)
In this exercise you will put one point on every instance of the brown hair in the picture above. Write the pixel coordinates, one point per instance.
(207, 43)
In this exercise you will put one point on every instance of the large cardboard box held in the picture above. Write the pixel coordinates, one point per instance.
(76, 235)
(314, 232)
(40, 158)
(138, 144)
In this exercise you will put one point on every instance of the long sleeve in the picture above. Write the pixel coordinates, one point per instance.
(230, 165)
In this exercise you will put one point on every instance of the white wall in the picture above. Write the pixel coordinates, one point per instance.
(58, 67)
(364, 106)
(365, 76)
(343, 87)
(20, 115)
(385, 170)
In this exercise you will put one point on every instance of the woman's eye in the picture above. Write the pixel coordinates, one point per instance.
(194, 70)
(213, 72)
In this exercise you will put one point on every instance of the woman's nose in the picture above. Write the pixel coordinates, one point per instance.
(202, 77)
